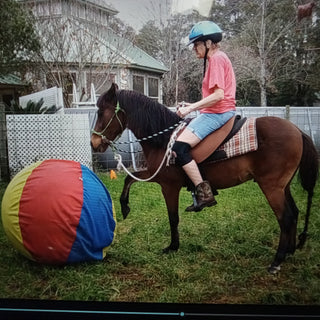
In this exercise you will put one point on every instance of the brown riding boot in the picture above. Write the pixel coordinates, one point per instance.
(203, 197)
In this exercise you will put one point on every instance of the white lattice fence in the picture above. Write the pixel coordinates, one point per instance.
(39, 137)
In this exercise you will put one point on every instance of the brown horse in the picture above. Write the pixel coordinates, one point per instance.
(282, 150)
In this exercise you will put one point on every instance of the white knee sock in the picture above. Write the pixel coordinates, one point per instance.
(192, 170)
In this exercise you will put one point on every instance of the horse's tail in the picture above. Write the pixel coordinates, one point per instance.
(308, 175)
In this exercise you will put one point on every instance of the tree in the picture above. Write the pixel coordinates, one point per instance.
(260, 43)
(150, 39)
(168, 44)
(269, 51)
(18, 40)
(177, 58)
(307, 60)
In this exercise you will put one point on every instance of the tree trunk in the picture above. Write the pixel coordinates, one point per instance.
(262, 54)
(263, 85)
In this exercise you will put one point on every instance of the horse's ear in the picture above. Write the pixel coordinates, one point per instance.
(111, 93)
(114, 87)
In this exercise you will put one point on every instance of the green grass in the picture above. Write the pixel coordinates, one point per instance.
(223, 256)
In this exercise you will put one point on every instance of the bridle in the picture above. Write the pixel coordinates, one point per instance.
(101, 133)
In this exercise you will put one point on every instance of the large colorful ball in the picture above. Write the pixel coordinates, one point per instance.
(57, 212)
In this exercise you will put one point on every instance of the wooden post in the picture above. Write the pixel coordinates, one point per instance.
(4, 166)
(287, 112)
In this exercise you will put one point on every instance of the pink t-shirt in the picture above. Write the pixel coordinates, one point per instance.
(219, 74)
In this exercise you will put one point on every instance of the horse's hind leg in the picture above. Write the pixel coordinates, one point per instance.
(285, 210)
(295, 214)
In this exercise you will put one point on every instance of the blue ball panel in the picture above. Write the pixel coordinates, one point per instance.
(97, 224)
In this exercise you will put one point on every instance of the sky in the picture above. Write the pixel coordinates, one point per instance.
(203, 6)
(137, 12)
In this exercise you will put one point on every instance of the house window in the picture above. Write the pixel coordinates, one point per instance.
(82, 11)
(138, 83)
(153, 88)
(150, 86)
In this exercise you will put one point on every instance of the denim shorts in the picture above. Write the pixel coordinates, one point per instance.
(205, 123)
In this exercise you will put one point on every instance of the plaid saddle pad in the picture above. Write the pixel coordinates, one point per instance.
(245, 140)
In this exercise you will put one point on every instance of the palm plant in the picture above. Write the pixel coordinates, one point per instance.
(33, 108)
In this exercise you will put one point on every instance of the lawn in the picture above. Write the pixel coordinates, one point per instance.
(223, 257)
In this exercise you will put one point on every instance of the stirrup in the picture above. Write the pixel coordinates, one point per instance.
(197, 209)
(194, 207)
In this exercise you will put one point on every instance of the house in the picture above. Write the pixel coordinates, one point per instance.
(10, 87)
(80, 47)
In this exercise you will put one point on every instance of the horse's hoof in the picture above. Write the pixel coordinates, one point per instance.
(302, 239)
(169, 249)
(274, 269)
(125, 211)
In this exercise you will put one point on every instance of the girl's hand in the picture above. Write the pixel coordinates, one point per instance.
(183, 109)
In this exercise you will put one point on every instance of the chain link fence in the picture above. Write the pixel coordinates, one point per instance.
(306, 118)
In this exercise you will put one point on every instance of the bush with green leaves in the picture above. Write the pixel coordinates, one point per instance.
(33, 108)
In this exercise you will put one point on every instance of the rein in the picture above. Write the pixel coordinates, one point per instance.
(167, 155)
(145, 138)
(111, 143)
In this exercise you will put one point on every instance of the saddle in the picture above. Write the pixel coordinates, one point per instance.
(206, 150)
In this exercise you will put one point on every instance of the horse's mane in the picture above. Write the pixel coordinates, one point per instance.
(146, 116)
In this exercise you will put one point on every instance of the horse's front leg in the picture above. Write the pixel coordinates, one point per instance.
(124, 198)
(171, 196)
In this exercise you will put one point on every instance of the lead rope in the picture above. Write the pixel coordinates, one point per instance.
(167, 155)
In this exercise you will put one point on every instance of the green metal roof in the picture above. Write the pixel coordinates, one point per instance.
(103, 5)
(139, 59)
(11, 79)
(134, 56)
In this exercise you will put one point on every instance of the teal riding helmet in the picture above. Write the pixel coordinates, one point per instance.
(205, 30)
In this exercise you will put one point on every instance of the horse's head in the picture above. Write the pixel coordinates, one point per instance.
(111, 120)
